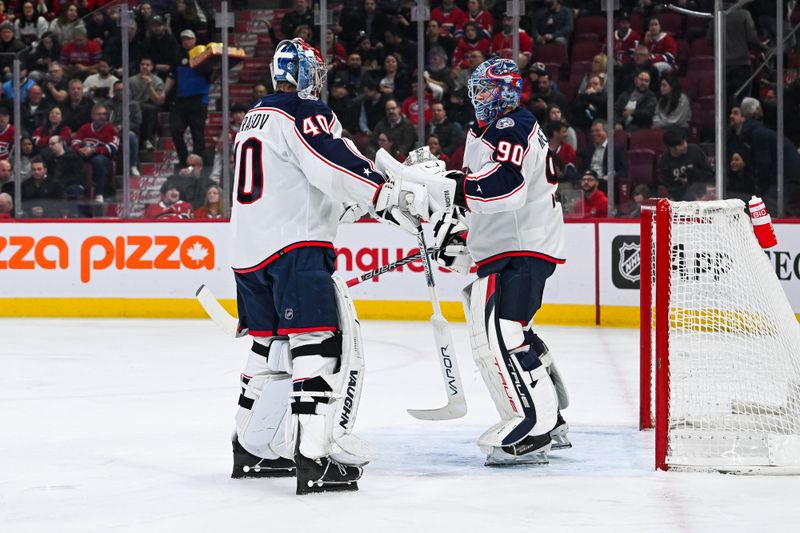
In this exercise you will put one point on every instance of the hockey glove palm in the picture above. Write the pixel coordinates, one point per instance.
(449, 231)
(402, 204)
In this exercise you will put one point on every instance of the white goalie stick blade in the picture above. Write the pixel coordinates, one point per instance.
(456, 403)
(227, 322)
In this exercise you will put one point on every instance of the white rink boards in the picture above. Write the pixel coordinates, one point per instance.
(124, 425)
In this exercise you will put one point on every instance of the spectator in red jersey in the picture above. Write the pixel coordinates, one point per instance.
(97, 143)
(410, 106)
(337, 54)
(471, 40)
(6, 133)
(171, 207)
(80, 56)
(53, 126)
(552, 24)
(477, 12)
(214, 207)
(625, 39)
(663, 49)
(503, 42)
(450, 18)
(594, 203)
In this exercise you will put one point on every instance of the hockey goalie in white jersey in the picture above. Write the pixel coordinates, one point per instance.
(294, 175)
(507, 200)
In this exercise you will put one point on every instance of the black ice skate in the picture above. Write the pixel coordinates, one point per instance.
(528, 451)
(325, 474)
(246, 465)
(559, 434)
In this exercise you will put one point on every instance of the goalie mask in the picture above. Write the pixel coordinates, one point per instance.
(300, 64)
(494, 87)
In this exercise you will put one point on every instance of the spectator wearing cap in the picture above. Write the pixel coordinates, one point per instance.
(6, 133)
(100, 27)
(595, 155)
(147, 89)
(546, 96)
(100, 85)
(67, 22)
(170, 207)
(472, 39)
(476, 12)
(449, 16)
(552, 24)
(30, 25)
(397, 128)
(682, 164)
(9, 46)
(161, 47)
(594, 203)
(625, 39)
(503, 42)
(191, 100)
(635, 109)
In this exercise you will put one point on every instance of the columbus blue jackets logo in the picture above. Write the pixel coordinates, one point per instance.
(505, 122)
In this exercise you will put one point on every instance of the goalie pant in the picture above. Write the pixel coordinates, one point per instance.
(307, 349)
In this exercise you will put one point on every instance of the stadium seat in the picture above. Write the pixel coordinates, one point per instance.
(591, 24)
(650, 139)
(703, 117)
(683, 54)
(638, 23)
(671, 23)
(581, 136)
(586, 38)
(641, 166)
(585, 51)
(700, 64)
(700, 47)
(706, 86)
(552, 53)
(621, 138)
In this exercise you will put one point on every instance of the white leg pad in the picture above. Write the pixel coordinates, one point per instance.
(261, 427)
(328, 431)
(525, 399)
(558, 381)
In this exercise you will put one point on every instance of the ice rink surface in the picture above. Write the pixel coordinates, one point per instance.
(124, 425)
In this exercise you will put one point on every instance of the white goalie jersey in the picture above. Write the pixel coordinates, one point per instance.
(512, 208)
(293, 175)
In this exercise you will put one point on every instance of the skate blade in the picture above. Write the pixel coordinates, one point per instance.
(252, 472)
(349, 486)
(559, 438)
(502, 458)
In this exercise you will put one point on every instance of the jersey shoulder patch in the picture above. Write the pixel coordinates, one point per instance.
(515, 127)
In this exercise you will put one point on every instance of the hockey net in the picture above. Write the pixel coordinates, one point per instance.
(720, 344)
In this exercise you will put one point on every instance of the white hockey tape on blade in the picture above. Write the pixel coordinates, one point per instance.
(228, 323)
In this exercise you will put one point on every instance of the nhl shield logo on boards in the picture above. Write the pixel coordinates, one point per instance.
(625, 261)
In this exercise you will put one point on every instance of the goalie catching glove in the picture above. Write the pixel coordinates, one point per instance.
(402, 203)
(450, 233)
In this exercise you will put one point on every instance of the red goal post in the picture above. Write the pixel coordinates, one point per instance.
(719, 343)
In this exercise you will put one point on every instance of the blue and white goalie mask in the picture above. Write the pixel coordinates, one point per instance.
(297, 62)
(494, 87)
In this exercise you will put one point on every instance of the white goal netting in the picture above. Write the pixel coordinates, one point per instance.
(734, 346)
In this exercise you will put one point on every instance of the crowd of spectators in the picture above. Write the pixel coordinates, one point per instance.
(661, 101)
(70, 57)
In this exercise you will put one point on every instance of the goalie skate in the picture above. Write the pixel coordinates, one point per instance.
(247, 465)
(529, 451)
(325, 475)
(560, 434)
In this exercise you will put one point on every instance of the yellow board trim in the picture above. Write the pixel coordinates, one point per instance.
(549, 314)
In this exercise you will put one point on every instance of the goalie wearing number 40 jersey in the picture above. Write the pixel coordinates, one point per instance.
(507, 200)
(301, 386)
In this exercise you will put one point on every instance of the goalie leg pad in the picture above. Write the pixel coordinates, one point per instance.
(560, 433)
(518, 382)
(327, 390)
(262, 413)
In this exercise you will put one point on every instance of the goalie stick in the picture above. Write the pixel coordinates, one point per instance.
(230, 325)
(456, 403)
